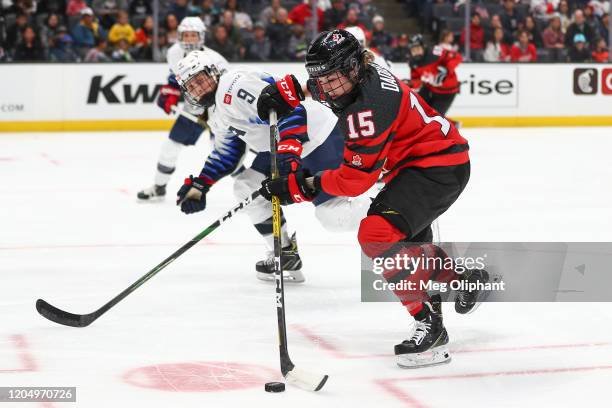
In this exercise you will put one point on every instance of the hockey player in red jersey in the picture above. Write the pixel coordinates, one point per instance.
(432, 73)
(389, 131)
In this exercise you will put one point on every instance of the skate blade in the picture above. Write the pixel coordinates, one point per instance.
(152, 200)
(436, 356)
(483, 295)
(288, 277)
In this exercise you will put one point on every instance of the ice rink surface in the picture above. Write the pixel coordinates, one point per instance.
(202, 333)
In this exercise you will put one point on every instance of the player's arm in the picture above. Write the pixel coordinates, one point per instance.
(226, 156)
(169, 94)
(364, 158)
(451, 59)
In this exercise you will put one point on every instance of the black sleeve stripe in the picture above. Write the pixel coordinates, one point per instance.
(358, 148)
(453, 149)
(372, 169)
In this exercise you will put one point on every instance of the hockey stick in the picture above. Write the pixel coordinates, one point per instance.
(83, 320)
(299, 378)
(177, 111)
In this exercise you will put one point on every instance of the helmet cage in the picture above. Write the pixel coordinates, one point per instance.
(211, 80)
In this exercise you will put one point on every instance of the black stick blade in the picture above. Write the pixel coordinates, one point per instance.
(61, 317)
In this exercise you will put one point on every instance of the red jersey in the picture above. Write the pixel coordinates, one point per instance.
(424, 72)
(388, 128)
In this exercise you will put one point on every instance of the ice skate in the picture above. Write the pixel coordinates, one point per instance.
(152, 194)
(468, 300)
(290, 262)
(428, 345)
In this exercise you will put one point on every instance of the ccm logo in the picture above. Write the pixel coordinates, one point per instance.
(285, 88)
(288, 148)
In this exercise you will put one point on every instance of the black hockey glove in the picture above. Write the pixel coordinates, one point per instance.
(289, 189)
(288, 156)
(282, 96)
(192, 195)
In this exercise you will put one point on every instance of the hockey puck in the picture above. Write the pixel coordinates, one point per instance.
(275, 387)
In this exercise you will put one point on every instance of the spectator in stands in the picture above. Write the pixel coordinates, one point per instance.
(302, 14)
(15, 31)
(267, 14)
(108, 11)
(447, 40)
(86, 32)
(180, 9)
(476, 34)
(98, 53)
(279, 33)
(579, 26)
(605, 27)
(600, 54)
(523, 50)
(60, 46)
(29, 49)
(298, 43)
(208, 12)
(554, 39)
(579, 51)
(162, 40)
(122, 51)
(49, 30)
(233, 33)
(495, 23)
(352, 20)
(27, 7)
(382, 40)
(510, 17)
(497, 50)
(401, 50)
(533, 31)
(74, 7)
(171, 28)
(241, 19)
(259, 47)
(591, 19)
(139, 9)
(144, 40)
(334, 15)
(564, 15)
(221, 43)
(543, 8)
(122, 29)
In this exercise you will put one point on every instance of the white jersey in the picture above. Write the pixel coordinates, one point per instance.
(176, 53)
(235, 113)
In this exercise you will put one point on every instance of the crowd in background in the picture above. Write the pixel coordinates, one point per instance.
(280, 30)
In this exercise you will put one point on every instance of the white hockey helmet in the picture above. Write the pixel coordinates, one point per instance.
(198, 77)
(191, 24)
(358, 34)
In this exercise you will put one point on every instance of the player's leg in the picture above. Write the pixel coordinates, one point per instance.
(402, 213)
(183, 133)
(260, 213)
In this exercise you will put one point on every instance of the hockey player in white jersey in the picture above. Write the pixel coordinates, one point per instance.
(360, 36)
(184, 132)
(309, 137)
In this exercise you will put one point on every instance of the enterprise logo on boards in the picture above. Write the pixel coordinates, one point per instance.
(586, 81)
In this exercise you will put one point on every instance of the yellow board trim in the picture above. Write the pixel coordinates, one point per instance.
(86, 125)
(150, 125)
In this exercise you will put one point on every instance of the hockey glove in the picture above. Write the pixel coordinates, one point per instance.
(168, 97)
(282, 96)
(192, 195)
(289, 189)
(288, 157)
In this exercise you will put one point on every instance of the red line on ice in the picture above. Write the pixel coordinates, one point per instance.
(389, 384)
(27, 360)
(336, 352)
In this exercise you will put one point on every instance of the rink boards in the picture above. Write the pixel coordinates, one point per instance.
(103, 97)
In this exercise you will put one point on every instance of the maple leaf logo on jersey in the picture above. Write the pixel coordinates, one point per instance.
(227, 99)
(356, 161)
